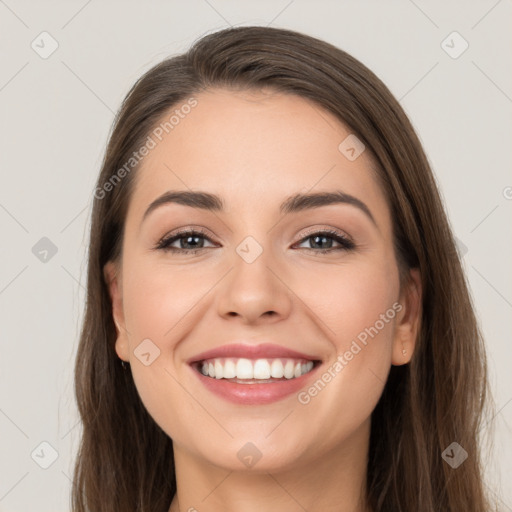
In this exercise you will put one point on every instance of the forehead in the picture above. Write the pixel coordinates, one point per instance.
(253, 148)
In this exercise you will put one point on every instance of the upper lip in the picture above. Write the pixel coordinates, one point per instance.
(261, 351)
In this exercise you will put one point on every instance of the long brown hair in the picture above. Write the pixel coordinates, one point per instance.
(125, 461)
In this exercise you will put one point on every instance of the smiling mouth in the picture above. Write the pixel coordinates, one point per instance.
(254, 371)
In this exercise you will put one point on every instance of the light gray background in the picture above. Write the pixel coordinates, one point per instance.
(55, 117)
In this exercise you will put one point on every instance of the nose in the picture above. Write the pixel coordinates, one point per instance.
(255, 291)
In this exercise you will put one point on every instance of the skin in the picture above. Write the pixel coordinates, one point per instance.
(254, 149)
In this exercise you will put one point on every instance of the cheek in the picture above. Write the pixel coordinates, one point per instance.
(162, 304)
(156, 302)
(358, 310)
(158, 298)
(349, 299)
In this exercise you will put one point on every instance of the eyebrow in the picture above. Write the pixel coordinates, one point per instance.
(295, 203)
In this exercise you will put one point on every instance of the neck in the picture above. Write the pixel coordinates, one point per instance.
(336, 480)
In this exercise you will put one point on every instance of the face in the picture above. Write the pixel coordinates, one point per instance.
(320, 283)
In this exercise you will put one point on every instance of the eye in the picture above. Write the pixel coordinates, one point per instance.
(193, 237)
(319, 237)
(189, 237)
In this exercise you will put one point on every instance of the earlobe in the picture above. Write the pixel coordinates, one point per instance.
(408, 322)
(112, 279)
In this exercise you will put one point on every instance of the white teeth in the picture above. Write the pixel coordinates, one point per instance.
(262, 369)
(288, 370)
(259, 369)
(229, 369)
(277, 370)
(244, 369)
(218, 369)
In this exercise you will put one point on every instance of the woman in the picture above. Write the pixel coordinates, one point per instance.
(277, 318)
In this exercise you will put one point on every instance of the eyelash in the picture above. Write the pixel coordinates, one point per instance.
(164, 243)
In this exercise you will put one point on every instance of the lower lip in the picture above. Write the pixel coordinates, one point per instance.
(255, 394)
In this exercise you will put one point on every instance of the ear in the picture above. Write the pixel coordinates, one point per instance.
(408, 320)
(112, 277)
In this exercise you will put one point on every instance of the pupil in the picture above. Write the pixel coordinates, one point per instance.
(188, 238)
(316, 238)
